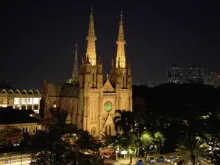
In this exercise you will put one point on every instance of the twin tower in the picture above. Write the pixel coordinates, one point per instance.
(100, 96)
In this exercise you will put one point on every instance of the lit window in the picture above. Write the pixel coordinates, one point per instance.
(29, 100)
(23, 100)
(16, 101)
(36, 100)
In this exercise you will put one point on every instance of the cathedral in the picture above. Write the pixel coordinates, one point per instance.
(89, 97)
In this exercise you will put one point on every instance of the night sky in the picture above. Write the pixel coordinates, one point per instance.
(37, 37)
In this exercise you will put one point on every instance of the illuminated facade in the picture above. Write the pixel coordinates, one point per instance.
(20, 99)
(92, 100)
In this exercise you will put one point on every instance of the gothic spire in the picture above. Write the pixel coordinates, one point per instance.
(121, 46)
(91, 38)
(75, 72)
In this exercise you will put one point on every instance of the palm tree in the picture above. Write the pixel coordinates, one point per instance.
(125, 122)
(192, 149)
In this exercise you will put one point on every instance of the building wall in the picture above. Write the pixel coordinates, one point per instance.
(212, 79)
(20, 99)
(30, 128)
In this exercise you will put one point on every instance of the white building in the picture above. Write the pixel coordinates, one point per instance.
(20, 99)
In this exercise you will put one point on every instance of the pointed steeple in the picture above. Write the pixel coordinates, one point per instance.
(75, 72)
(91, 38)
(121, 46)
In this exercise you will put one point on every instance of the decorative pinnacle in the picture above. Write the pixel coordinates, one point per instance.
(121, 30)
(91, 8)
(121, 16)
(91, 38)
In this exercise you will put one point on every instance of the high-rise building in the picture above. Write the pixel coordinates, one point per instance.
(91, 100)
(195, 75)
(212, 79)
(175, 75)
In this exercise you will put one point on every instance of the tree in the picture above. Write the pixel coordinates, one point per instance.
(63, 144)
(171, 107)
(125, 122)
(10, 134)
(87, 142)
(192, 149)
(212, 133)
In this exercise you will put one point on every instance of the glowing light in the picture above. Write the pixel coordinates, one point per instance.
(29, 100)
(36, 100)
(124, 152)
(17, 101)
(23, 100)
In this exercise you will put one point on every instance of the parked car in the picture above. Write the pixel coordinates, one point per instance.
(171, 159)
(139, 162)
(160, 159)
(151, 160)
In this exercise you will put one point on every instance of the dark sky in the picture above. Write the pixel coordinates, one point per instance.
(37, 37)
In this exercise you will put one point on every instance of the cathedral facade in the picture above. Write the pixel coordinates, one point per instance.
(90, 98)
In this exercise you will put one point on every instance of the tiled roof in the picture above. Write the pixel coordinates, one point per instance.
(70, 90)
(13, 116)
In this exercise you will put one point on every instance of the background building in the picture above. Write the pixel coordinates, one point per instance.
(20, 99)
(19, 119)
(145, 83)
(212, 79)
(195, 75)
(175, 75)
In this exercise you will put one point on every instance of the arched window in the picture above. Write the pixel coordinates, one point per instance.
(11, 91)
(17, 92)
(93, 131)
(37, 92)
(24, 92)
(4, 91)
(108, 130)
(30, 92)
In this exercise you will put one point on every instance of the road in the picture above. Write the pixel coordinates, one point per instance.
(15, 159)
(127, 161)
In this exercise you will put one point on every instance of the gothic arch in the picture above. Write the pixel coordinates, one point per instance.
(24, 92)
(4, 91)
(11, 91)
(30, 92)
(37, 92)
(17, 92)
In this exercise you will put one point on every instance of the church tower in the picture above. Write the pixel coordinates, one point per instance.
(90, 99)
(99, 97)
(122, 73)
(91, 80)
